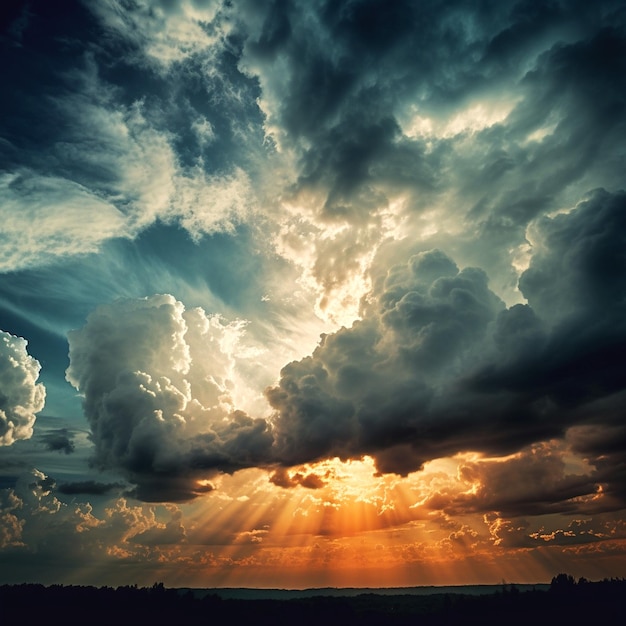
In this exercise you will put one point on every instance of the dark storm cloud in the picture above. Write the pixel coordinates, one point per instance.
(465, 120)
(563, 134)
(602, 442)
(438, 365)
(578, 269)
(575, 284)
(383, 387)
(324, 92)
(534, 482)
(338, 77)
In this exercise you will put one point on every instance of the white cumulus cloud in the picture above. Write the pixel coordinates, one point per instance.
(21, 396)
(158, 384)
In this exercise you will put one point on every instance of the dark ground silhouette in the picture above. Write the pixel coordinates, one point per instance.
(565, 602)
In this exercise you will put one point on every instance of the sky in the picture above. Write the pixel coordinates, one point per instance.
(305, 293)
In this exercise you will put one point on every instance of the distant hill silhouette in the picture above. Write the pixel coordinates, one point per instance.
(565, 602)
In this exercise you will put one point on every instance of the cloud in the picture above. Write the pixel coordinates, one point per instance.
(603, 444)
(89, 487)
(21, 396)
(205, 204)
(434, 186)
(437, 365)
(340, 84)
(578, 264)
(136, 163)
(118, 182)
(172, 532)
(535, 481)
(114, 162)
(404, 137)
(157, 382)
(453, 123)
(574, 288)
(81, 537)
(281, 478)
(60, 439)
(382, 386)
(57, 207)
(163, 34)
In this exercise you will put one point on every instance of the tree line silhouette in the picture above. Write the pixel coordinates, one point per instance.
(566, 601)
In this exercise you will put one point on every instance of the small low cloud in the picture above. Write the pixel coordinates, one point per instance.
(60, 440)
(89, 487)
(282, 478)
